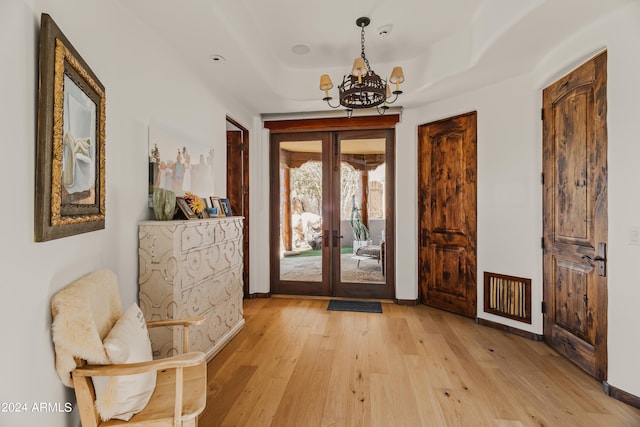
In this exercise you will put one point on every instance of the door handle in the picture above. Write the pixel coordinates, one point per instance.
(596, 259)
(335, 238)
(600, 258)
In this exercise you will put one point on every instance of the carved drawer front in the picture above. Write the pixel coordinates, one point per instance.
(231, 254)
(229, 230)
(225, 284)
(197, 235)
(224, 316)
(199, 264)
(194, 301)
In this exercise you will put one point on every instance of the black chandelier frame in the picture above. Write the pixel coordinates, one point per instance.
(368, 91)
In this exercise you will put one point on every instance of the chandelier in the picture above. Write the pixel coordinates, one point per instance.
(363, 88)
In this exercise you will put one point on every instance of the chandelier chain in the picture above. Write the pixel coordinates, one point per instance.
(366, 61)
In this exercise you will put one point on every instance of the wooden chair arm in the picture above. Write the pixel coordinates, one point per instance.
(187, 321)
(182, 361)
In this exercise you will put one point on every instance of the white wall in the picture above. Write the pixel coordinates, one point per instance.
(509, 189)
(144, 83)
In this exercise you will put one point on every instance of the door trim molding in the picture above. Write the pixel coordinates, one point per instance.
(374, 125)
(246, 176)
(333, 124)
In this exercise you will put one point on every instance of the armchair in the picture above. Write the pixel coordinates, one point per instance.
(86, 316)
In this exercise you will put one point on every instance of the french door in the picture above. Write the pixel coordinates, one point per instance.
(332, 213)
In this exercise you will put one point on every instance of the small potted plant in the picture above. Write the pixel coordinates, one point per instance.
(361, 235)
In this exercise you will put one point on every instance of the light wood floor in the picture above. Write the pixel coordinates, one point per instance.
(297, 364)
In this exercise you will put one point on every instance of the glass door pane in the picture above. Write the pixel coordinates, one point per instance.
(362, 210)
(301, 182)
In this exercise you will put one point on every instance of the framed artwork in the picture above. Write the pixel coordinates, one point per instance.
(226, 206)
(185, 209)
(70, 152)
(178, 162)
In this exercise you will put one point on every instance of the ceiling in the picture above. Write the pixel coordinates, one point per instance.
(445, 47)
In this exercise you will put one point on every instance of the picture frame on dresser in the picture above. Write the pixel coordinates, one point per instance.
(226, 206)
(70, 148)
(216, 203)
(185, 209)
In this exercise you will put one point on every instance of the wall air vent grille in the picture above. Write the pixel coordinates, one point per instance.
(507, 296)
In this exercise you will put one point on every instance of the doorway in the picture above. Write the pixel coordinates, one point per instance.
(575, 216)
(447, 209)
(332, 198)
(238, 185)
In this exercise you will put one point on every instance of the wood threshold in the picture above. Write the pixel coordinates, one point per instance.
(260, 295)
(328, 298)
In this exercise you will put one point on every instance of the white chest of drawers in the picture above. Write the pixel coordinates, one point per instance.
(190, 268)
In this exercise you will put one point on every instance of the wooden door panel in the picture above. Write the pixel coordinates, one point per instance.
(571, 303)
(447, 273)
(446, 178)
(579, 352)
(447, 210)
(575, 216)
(571, 149)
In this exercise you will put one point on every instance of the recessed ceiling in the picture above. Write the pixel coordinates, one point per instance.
(444, 46)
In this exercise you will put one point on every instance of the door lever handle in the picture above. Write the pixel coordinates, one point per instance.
(336, 238)
(601, 259)
(602, 263)
(596, 259)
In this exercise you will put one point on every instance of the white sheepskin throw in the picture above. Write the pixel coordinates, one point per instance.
(83, 314)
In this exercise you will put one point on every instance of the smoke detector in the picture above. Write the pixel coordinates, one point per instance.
(385, 30)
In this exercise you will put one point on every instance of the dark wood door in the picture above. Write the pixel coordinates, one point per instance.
(238, 184)
(447, 214)
(575, 216)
